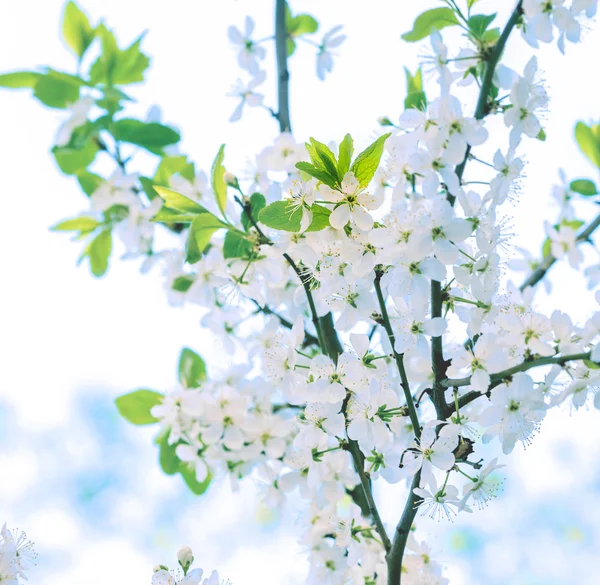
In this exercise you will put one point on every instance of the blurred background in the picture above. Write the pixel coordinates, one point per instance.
(85, 484)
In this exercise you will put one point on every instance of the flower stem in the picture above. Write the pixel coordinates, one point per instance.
(394, 558)
(522, 367)
(358, 459)
(540, 272)
(412, 411)
(283, 75)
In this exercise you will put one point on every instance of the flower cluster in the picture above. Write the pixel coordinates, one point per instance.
(16, 556)
(364, 304)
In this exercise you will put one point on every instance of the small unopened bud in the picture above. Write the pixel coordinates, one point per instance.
(230, 179)
(385, 121)
(185, 558)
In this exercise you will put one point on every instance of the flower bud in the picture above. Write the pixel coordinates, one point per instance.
(185, 557)
(385, 121)
(230, 179)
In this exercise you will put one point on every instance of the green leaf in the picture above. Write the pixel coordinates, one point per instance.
(437, 18)
(19, 79)
(584, 187)
(470, 3)
(574, 224)
(175, 200)
(84, 223)
(72, 161)
(326, 158)
(169, 462)
(479, 23)
(77, 30)
(192, 369)
(346, 151)
(318, 173)
(591, 365)
(171, 165)
(588, 139)
(135, 407)
(414, 82)
(302, 24)
(367, 161)
(491, 36)
(89, 182)
(201, 231)
(116, 66)
(66, 77)
(236, 246)
(149, 135)
(541, 135)
(320, 218)
(291, 46)
(546, 248)
(182, 283)
(416, 100)
(55, 92)
(148, 187)
(218, 180)
(131, 64)
(189, 476)
(415, 96)
(166, 215)
(99, 252)
(280, 216)
(257, 203)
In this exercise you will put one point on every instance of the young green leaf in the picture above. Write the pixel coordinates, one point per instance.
(131, 64)
(169, 462)
(149, 135)
(436, 18)
(73, 161)
(236, 246)
(189, 475)
(99, 252)
(192, 369)
(89, 182)
(588, 139)
(415, 96)
(326, 158)
(302, 24)
(54, 92)
(175, 200)
(280, 216)
(584, 187)
(84, 223)
(218, 179)
(257, 202)
(479, 23)
(19, 79)
(201, 230)
(166, 215)
(346, 151)
(77, 30)
(116, 66)
(135, 406)
(182, 283)
(367, 161)
(171, 165)
(318, 173)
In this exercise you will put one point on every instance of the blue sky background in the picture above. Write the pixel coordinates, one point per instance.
(85, 484)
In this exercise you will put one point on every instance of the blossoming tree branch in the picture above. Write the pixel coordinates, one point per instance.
(360, 290)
